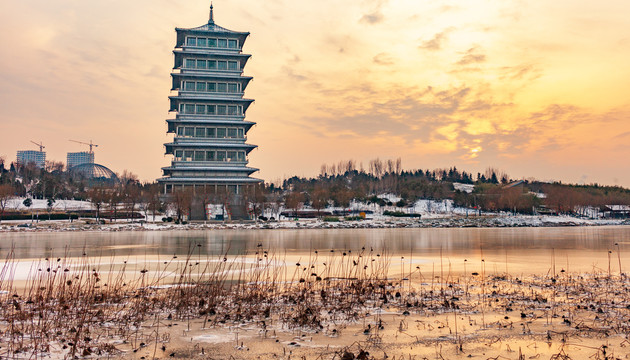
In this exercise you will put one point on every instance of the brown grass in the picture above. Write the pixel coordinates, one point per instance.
(79, 307)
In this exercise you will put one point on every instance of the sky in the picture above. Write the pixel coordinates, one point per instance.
(538, 89)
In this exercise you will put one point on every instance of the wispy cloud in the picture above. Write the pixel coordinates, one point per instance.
(520, 72)
(376, 15)
(372, 18)
(472, 56)
(383, 59)
(437, 42)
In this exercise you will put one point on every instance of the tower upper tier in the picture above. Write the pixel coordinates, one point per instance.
(212, 36)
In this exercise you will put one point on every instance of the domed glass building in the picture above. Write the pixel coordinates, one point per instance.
(94, 173)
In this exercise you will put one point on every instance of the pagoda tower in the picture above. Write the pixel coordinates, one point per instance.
(210, 144)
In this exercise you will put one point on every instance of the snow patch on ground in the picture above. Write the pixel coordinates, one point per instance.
(42, 204)
(215, 338)
(467, 188)
(390, 197)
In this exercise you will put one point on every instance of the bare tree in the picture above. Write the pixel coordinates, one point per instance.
(258, 199)
(332, 170)
(207, 196)
(53, 166)
(342, 197)
(390, 166)
(6, 194)
(181, 200)
(154, 200)
(113, 200)
(98, 197)
(398, 166)
(275, 200)
(376, 168)
(294, 201)
(319, 199)
(495, 175)
(131, 197)
(322, 170)
(128, 177)
(149, 200)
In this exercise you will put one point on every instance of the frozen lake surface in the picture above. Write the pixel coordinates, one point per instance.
(529, 250)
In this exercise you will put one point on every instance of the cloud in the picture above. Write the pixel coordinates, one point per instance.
(436, 42)
(341, 43)
(463, 121)
(373, 18)
(291, 74)
(520, 72)
(448, 8)
(376, 16)
(383, 59)
(411, 113)
(472, 56)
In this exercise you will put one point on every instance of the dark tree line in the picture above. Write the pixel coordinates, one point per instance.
(51, 183)
(337, 185)
(493, 190)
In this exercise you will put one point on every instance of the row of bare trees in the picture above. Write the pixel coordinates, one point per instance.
(376, 167)
(128, 198)
(566, 199)
(557, 198)
(494, 191)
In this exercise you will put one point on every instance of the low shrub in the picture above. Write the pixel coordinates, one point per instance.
(42, 216)
(400, 214)
(353, 218)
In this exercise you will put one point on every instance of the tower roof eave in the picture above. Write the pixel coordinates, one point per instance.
(213, 54)
(210, 121)
(214, 28)
(175, 100)
(246, 170)
(214, 145)
(214, 75)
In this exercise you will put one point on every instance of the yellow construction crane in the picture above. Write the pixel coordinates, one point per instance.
(90, 144)
(41, 146)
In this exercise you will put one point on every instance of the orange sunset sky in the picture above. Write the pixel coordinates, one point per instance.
(535, 88)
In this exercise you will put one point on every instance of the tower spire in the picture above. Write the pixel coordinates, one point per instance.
(211, 21)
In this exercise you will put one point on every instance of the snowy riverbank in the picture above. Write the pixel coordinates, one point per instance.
(455, 221)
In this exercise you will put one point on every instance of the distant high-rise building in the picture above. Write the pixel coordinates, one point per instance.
(78, 158)
(209, 147)
(31, 156)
